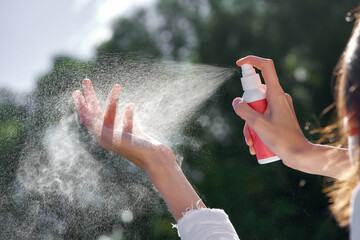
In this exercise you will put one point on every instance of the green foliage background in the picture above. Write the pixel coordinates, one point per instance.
(305, 40)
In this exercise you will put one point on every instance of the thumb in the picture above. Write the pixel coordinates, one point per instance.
(243, 110)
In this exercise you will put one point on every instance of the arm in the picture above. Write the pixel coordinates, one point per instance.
(322, 160)
(278, 128)
(175, 189)
(156, 159)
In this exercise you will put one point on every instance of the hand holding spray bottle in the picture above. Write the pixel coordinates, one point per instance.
(255, 97)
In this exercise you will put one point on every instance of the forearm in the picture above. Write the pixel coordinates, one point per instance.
(175, 189)
(323, 160)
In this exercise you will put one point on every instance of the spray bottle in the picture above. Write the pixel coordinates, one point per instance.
(255, 97)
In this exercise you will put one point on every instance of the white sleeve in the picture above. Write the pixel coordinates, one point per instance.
(206, 224)
(355, 215)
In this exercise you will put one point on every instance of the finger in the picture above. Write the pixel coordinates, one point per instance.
(243, 110)
(91, 98)
(267, 70)
(252, 150)
(111, 105)
(81, 107)
(247, 135)
(128, 118)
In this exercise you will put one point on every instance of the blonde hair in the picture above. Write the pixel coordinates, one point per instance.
(346, 102)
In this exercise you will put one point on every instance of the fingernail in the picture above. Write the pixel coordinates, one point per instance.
(130, 105)
(117, 87)
(236, 102)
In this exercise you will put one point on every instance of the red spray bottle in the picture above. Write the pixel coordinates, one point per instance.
(255, 97)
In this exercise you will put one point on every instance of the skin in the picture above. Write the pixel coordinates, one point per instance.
(127, 140)
(158, 161)
(279, 119)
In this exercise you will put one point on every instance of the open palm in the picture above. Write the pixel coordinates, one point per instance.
(122, 138)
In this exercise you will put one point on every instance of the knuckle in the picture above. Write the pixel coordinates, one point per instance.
(288, 97)
(258, 121)
(252, 120)
(238, 111)
(281, 96)
(269, 62)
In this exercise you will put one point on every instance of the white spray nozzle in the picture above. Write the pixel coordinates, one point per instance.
(247, 70)
(250, 79)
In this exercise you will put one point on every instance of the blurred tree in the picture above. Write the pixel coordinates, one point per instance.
(304, 38)
(131, 35)
(12, 134)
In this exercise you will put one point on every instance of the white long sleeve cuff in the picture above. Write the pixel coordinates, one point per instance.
(206, 224)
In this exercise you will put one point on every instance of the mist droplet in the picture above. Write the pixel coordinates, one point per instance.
(127, 216)
(65, 181)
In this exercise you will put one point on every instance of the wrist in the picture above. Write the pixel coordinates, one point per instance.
(299, 158)
(321, 160)
(170, 181)
(161, 162)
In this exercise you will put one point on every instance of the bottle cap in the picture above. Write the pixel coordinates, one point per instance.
(250, 79)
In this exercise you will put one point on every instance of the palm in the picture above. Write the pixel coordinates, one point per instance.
(122, 138)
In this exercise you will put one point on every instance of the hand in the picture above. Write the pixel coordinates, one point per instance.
(278, 127)
(122, 138)
(126, 139)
